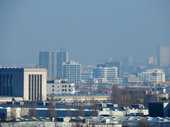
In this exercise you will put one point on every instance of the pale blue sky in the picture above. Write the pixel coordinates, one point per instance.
(88, 30)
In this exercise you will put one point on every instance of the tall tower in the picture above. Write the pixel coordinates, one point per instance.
(53, 61)
(127, 61)
(72, 70)
(162, 53)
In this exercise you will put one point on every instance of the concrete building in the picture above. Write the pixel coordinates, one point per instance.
(112, 64)
(86, 75)
(72, 70)
(108, 73)
(30, 84)
(162, 53)
(127, 61)
(60, 86)
(152, 60)
(159, 109)
(116, 64)
(152, 75)
(130, 79)
(53, 61)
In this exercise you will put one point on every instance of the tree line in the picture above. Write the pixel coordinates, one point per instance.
(124, 98)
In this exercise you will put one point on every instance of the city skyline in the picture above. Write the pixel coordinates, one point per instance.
(91, 31)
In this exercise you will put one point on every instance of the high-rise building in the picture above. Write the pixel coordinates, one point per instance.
(72, 71)
(127, 61)
(30, 84)
(116, 64)
(53, 61)
(110, 74)
(162, 55)
(112, 64)
(152, 60)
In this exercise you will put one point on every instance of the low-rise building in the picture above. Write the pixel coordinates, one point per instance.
(152, 75)
(60, 86)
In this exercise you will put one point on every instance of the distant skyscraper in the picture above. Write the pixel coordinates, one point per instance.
(162, 55)
(72, 70)
(152, 60)
(127, 61)
(53, 61)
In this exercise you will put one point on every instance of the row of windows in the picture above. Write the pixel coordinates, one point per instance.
(6, 84)
(62, 90)
(62, 86)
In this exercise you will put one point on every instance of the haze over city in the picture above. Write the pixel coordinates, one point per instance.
(90, 31)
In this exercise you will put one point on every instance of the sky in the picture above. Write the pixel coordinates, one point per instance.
(89, 30)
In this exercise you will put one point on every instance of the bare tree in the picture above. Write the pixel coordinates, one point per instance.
(68, 113)
(116, 97)
(13, 113)
(126, 98)
(33, 110)
(94, 107)
(51, 107)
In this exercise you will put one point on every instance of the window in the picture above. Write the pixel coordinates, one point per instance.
(65, 89)
(52, 89)
(62, 85)
(52, 85)
(69, 85)
(69, 89)
(65, 85)
(62, 89)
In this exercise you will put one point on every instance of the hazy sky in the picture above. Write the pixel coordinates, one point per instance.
(90, 30)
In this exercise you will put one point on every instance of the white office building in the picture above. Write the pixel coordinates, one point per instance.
(30, 84)
(152, 75)
(108, 73)
(53, 62)
(60, 86)
(85, 75)
(72, 70)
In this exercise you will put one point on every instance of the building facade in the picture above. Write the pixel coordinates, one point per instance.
(53, 61)
(127, 61)
(162, 53)
(110, 74)
(30, 84)
(72, 71)
(60, 86)
(152, 75)
(112, 64)
(152, 60)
